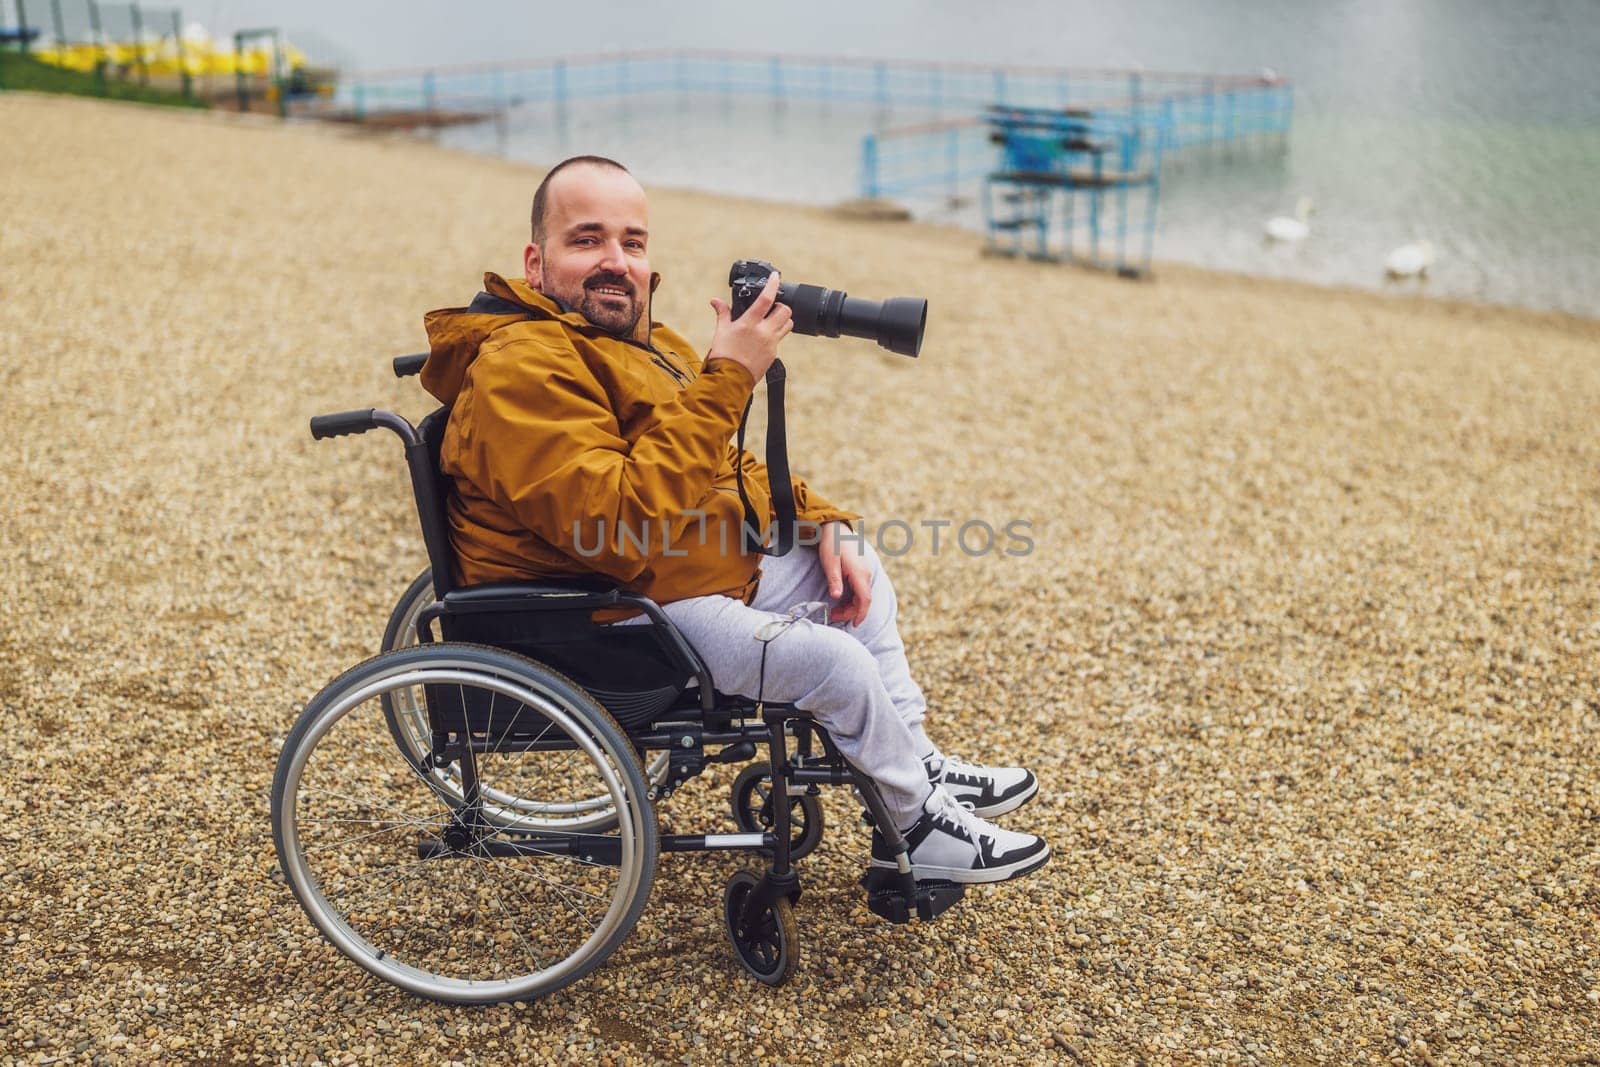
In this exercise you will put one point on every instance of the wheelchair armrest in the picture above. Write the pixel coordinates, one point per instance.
(571, 593)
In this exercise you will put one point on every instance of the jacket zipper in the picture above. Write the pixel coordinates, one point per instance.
(678, 376)
(682, 378)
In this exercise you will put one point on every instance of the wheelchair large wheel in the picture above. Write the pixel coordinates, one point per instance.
(408, 724)
(421, 888)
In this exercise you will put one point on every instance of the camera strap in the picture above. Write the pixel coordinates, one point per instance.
(779, 484)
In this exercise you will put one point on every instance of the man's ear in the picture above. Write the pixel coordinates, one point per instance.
(532, 266)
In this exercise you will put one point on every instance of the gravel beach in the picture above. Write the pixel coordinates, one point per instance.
(1306, 652)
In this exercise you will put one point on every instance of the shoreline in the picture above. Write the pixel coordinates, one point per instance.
(1304, 654)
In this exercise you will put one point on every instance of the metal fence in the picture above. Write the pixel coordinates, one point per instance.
(1186, 109)
(886, 83)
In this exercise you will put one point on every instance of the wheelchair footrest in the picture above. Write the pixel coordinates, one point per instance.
(887, 898)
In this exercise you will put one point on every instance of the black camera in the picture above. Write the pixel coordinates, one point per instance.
(896, 324)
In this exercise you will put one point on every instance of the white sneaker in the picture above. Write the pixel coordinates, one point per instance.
(949, 842)
(989, 791)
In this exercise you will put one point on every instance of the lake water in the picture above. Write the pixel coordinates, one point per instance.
(1475, 125)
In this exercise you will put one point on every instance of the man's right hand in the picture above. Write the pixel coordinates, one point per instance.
(752, 339)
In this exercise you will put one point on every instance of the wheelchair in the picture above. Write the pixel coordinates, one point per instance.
(471, 814)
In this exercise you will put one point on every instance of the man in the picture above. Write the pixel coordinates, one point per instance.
(585, 438)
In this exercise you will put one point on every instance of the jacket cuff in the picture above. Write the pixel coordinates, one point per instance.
(723, 367)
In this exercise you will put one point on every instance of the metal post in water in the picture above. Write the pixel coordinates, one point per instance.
(952, 153)
(1153, 195)
(999, 86)
(1211, 112)
(869, 167)
(1094, 208)
(1125, 163)
(880, 78)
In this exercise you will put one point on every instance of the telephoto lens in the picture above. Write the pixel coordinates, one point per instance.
(896, 323)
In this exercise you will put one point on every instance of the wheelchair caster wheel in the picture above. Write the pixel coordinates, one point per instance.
(753, 810)
(770, 947)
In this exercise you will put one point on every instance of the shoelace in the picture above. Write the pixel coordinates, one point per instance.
(970, 773)
(958, 814)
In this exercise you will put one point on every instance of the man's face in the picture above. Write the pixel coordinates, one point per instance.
(593, 258)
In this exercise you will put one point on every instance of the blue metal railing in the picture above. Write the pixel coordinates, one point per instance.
(887, 83)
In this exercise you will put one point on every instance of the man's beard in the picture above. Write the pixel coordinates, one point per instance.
(606, 312)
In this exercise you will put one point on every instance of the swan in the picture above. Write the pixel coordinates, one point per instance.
(1408, 260)
(1284, 228)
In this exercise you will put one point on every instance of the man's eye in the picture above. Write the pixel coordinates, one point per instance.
(637, 246)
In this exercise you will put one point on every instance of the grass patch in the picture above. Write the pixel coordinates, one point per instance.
(21, 71)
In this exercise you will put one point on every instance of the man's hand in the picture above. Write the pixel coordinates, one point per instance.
(752, 339)
(849, 576)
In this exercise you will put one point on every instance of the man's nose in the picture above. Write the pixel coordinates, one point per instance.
(612, 259)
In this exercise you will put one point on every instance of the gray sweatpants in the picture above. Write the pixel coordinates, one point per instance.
(854, 680)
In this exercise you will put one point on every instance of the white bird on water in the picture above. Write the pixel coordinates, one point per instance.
(1412, 260)
(1284, 228)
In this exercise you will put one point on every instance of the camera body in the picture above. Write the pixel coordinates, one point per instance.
(896, 324)
(746, 279)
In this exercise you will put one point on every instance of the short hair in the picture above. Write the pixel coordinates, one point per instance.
(541, 195)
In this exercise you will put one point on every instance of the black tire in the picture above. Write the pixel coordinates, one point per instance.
(401, 630)
(474, 913)
(753, 812)
(771, 951)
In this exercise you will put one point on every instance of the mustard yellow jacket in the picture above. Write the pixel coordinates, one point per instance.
(573, 451)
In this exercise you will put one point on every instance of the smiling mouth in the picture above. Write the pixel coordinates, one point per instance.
(610, 290)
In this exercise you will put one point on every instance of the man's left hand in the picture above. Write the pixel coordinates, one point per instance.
(849, 576)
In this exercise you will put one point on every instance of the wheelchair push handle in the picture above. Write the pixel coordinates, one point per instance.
(406, 366)
(340, 423)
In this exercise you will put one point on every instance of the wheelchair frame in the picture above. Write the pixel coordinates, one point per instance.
(692, 728)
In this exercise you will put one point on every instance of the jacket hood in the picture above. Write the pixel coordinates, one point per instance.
(455, 334)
